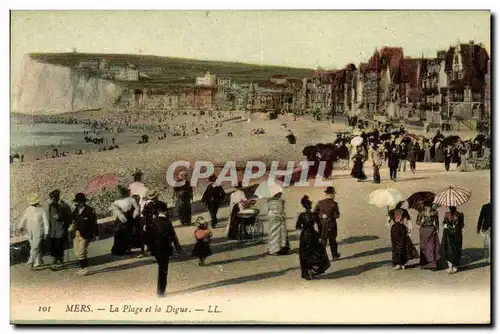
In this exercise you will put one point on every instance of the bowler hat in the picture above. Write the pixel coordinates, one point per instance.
(137, 172)
(54, 194)
(330, 191)
(80, 198)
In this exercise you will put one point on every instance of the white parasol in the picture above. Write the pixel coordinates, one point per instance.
(268, 189)
(385, 198)
(356, 141)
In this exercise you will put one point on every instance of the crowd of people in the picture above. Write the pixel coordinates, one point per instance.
(144, 222)
(397, 149)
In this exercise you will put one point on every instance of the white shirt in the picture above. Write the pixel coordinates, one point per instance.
(139, 189)
(237, 197)
(123, 205)
(35, 218)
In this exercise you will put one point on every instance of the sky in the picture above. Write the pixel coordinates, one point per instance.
(327, 39)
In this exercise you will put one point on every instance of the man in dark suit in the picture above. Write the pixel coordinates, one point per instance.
(484, 227)
(162, 237)
(328, 211)
(85, 229)
(213, 198)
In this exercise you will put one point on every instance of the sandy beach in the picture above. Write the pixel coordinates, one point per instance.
(72, 174)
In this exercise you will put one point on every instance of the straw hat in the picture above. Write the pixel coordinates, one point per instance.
(34, 199)
(200, 221)
(152, 194)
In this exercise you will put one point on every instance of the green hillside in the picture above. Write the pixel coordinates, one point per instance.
(177, 70)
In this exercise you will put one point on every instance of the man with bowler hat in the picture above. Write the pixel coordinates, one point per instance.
(213, 198)
(85, 230)
(328, 211)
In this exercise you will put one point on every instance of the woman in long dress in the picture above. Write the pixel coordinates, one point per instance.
(126, 212)
(403, 249)
(278, 243)
(377, 162)
(238, 201)
(357, 170)
(428, 221)
(312, 252)
(453, 224)
(183, 195)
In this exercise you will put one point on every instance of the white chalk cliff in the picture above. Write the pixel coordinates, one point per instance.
(49, 89)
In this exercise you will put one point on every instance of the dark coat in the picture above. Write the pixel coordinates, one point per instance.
(163, 236)
(485, 218)
(150, 211)
(213, 196)
(86, 222)
(328, 225)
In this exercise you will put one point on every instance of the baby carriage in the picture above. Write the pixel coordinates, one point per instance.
(250, 228)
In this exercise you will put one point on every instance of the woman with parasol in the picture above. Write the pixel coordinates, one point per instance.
(428, 220)
(453, 224)
(452, 238)
(403, 249)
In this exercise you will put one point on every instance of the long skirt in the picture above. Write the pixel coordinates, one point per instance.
(312, 254)
(184, 210)
(429, 247)
(232, 227)
(357, 170)
(123, 238)
(201, 249)
(376, 174)
(452, 245)
(403, 249)
(278, 236)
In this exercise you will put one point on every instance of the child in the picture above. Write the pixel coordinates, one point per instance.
(203, 237)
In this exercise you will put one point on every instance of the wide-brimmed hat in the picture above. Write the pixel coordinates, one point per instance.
(80, 198)
(34, 199)
(152, 194)
(54, 194)
(200, 221)
(330, 191)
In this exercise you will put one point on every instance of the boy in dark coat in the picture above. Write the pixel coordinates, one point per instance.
(162, 237)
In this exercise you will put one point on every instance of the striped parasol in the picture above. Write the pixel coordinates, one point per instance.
(453, 196)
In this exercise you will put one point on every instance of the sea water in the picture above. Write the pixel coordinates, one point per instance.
(41, 134)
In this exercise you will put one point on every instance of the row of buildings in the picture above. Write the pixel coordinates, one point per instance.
(453, 85)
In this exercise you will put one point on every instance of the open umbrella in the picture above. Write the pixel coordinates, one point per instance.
(418, 200)
(356, 141)
(268, 189)
(453, 196)
(385, 198)
(100, 182)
